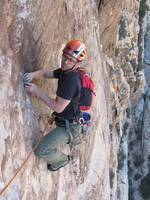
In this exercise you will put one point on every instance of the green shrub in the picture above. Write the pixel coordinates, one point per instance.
(131, 145)
(111, 177)
(110, 127)
(130, 171)
(126, 126)
(129, 163)
(127, 59)
(137, 176)
(148, 157)
(116, 52)
(138, 160)
(130, 134)
(131, 193)
(122, 28)
(142, 11)
(145, 187)
(121, 158)
(128, 112)
(138, 132)
(140, 54)
(140, 66)
(130, 183)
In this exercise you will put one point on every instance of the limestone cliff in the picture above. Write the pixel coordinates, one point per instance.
(33, 34)
(138, 165)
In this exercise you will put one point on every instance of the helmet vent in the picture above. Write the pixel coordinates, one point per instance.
(76, 52)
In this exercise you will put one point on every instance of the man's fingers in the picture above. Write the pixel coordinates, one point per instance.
(27, 77)
(28, 84)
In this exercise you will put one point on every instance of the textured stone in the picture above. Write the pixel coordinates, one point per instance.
(34, 33)
(32, 37)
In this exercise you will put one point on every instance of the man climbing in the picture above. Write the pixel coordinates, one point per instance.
(65, 105)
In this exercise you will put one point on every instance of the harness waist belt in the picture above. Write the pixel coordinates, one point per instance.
(61, 121)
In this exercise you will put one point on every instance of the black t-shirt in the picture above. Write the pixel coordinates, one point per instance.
(69, 86)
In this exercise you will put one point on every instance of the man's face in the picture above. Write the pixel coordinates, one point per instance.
(67, 62)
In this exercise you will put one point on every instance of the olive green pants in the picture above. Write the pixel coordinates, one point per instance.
(49, 144)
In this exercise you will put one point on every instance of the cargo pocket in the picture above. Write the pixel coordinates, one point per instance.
(76, 132)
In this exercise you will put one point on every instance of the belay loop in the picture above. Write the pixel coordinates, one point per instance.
(85, 121)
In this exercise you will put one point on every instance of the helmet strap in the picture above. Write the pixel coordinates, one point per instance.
(67, 70)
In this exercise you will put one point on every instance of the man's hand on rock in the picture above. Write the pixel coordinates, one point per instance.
(28, 77)
(32, 88)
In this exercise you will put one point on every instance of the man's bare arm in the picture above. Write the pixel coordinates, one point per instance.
(58, 104)
(38, 74)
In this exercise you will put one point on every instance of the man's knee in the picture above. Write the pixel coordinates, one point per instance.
(43, 151)
(42, 148)
(37, 151)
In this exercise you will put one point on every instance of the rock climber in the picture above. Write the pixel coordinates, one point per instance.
(66, 109)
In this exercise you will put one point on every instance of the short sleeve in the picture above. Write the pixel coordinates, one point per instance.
(57, 73)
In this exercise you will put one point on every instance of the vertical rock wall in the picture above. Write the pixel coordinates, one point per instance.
(32, 36)
(139, 132)
(119, 34)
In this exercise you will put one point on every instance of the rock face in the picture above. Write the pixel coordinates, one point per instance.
(32, 37)
(33, 34)
(138, 167)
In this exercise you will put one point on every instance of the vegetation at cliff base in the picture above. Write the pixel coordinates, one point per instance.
(122, 28)
(138, 160)
(145, 187)
(142, 11)
(121, 158)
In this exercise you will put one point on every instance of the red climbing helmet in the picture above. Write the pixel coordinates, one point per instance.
(76, 49)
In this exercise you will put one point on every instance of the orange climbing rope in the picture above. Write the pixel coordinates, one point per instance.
(50, 121)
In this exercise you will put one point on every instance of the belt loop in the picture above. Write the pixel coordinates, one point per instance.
(69, 132)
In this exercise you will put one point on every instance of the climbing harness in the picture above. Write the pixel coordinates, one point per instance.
(60, 121)
(50, 121)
